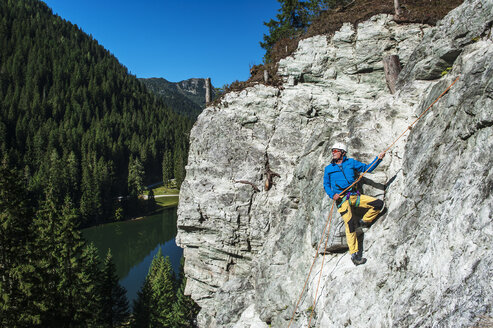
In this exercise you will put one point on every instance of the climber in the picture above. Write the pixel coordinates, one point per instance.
(339, 175)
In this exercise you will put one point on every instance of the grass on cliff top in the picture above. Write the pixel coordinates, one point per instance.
(413, 11)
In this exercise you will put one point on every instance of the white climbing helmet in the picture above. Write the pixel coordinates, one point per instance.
(341, 146)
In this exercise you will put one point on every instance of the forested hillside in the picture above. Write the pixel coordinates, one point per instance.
(186, 97)
(73, 119)
(77, 131)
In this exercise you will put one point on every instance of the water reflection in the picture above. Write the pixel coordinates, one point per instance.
(134, 243)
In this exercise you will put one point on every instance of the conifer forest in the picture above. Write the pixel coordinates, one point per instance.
(73, 119)
(79, 137)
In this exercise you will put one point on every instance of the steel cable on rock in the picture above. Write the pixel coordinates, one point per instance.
(329, 218)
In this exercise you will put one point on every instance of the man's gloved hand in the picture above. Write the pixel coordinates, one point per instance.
(381, 156)
(336, 197)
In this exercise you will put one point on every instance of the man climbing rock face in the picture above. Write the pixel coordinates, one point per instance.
(339, 175)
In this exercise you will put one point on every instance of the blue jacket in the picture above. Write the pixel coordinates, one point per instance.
(336, 178)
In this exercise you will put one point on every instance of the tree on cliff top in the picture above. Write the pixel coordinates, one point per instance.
(293, 19)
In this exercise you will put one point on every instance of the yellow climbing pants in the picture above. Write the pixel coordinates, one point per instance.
(374, 207)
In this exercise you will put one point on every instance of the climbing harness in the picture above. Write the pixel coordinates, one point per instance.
(347, 196)
(329, 219)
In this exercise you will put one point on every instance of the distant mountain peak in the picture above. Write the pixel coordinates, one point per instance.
(186, 97)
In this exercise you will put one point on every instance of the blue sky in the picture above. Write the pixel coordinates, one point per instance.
(176, 40)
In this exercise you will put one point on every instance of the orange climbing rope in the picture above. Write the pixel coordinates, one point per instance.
(423, 113)
(320, 275)
(329, 219)
(311, 267)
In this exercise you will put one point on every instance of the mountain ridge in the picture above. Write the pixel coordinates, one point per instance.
(185, 97)
(67, 103)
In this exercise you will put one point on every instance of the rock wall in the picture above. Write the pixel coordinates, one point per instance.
(252, 207)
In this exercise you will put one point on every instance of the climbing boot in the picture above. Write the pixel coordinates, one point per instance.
(365, 224)
(358, 259)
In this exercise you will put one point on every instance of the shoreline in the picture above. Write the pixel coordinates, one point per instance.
(136, 218)
(150, 213)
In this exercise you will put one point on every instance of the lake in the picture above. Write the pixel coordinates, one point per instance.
(134, 244)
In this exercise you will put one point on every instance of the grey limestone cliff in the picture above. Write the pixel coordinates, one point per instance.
(252, 208)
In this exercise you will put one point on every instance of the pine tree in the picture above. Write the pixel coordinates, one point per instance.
(90, 287)
(293, 19)
(15, 233)
(45, 300)
(154, 305)
(90, 204)
(135, 177)
(114, 301)
(71, 176)
(163, 293)
(64, 288)
(179, 167)
(142, 306)
(185, 310)
(72, 291)
(104, 175)
(56, 181)
(167, 168)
